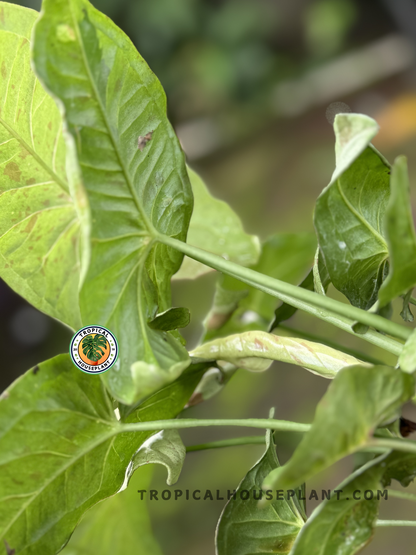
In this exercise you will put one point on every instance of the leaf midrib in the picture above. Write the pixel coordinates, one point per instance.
(147, 222)
(33, 153)
(359, 216)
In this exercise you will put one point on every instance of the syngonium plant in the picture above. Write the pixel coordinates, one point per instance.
(96, 196)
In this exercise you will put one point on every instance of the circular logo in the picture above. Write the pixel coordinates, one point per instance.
(94, 349)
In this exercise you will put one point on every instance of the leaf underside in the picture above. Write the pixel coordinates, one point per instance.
(110, 99)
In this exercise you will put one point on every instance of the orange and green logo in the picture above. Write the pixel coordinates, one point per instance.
(94, 349)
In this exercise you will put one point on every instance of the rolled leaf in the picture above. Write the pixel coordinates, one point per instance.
(256, 350)
(135, 178)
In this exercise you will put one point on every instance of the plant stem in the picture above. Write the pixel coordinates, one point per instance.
(412, 300)
(396, 523)
(402, 495)
(405, 445)
(333, 344)
(258, 440)
(249, 440)
(330, 310)
(176, 424)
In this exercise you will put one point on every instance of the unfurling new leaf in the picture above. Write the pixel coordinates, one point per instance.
(256, 350)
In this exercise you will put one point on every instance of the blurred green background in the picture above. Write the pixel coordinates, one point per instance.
(252, 88)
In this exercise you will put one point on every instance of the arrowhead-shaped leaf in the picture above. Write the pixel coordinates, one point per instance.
(358, 400)
(349, 212)
(135, 178)
(62, 450)
(39, 226)
(245, 528)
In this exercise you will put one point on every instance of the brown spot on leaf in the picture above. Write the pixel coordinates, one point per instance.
(36, 369)
(2, 15)
(46, 202)
(23, 153)
(142, 142)
(12, 170)
(9, 550)
(30, 181)
(3, 70)
(50, 125)
(31, 224)
(259, 344)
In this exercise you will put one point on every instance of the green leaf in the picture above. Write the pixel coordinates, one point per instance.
(245, 528)
(345, 524)
(406, 313)
(171, 319)
(400, 466)
(401, 236)
(407, 358)
(349, 212)
(283, 256)
(62, 450)
(358, 400)
(321, 279)
(118, 526)
(137, 187)
(256, 350)
(164, 448)
(225, 303)
(285, 311)
(216, 228)
(39, 226)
